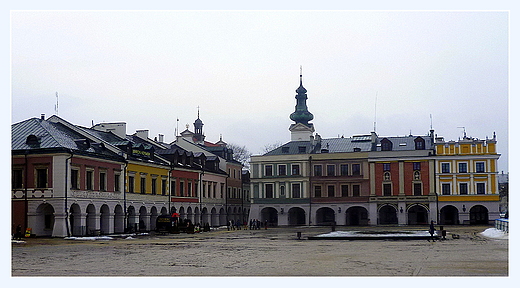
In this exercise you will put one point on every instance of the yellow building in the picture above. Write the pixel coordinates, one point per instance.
(467, 181)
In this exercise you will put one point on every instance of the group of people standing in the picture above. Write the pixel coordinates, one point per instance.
(254, 224)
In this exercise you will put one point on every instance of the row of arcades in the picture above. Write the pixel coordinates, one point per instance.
(86, 219)
(385, 214)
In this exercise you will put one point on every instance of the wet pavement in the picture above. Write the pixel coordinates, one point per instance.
(271, 252)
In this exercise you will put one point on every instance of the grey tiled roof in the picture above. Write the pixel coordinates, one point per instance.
(352, 144)
(51, 136)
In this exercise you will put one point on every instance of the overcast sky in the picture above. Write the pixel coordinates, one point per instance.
(150, 68)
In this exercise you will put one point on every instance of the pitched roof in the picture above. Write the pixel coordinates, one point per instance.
(52, 135)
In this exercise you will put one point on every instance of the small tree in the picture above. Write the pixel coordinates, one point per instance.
(240, 154)
(271, 147)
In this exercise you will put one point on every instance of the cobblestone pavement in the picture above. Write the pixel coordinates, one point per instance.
(271, 252)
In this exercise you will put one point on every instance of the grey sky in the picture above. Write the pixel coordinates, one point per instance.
(148, 68)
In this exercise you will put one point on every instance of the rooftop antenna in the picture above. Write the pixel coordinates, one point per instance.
(464, 129)
(375, 113)
(431, 122)
(56, 107)
(177, 128)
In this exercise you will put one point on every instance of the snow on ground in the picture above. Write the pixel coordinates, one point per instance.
(376, 234)
(495, 233)
(90, 238)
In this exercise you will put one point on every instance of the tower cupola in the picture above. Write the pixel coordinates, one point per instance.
(301, 113)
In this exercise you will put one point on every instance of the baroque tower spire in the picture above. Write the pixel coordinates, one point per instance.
(301, 130)
(301, 113)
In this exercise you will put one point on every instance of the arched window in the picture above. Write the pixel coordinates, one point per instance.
(386, 145)
(419, 143)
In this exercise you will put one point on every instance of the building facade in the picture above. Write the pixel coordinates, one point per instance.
(373, 180)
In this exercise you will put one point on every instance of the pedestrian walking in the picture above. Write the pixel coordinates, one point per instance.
(432, 231)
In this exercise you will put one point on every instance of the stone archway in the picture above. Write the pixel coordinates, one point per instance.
(91, 219)
(271, 215)
(119, 219)
(478, 215)
(356, 216)
(296, 216)
(387, 215)
(449, 215)
(325, 216)
(214, 217)
(75, 220)
(45, 220)
(417, 215)
(104, 219)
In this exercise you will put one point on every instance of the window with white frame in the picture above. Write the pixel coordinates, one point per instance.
(74, 179)
(463, 188)
(481, 188)
(446, 188)
(269, 190)
(480, 167)
(295, 169)
(445, 167)
(102, 180)
(463, 167)
(296, 191)
(89, 180)
(268, 170)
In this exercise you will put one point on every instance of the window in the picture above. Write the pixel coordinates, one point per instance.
(463, 167)
(317, 170)
(386, 145)
(386, 166)
(285, 149)
(282, 170)
(41, 178)
(282, 191)
(331, 170)
(330, 191)
(301, 149)
(296, 193)
(74, 179)
(102, 181)
(446, 189)
(269, 191)
(317, 191)
(190, 191)
(90, 179)
(417, 189)
(344, 169)
(445, 167)
(143, 185)
(479, 167)
(419, 143)
(356, 190)
(481, 188)
(356, 169)
(163, 187)
(17, 180)
(344, 190)
(463, 188)
(268, 170)
(131, 184)
(154, 186)
(417, 166)
(117, 183)
(387, 189)
(295, 169)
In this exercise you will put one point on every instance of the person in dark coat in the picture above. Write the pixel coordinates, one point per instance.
(432, 231)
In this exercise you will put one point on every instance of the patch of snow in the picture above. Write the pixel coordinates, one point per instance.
(17, 241)
(495, 233)
(89, 238)
(375, 234)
